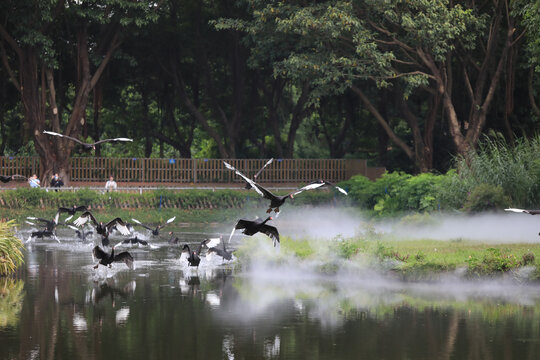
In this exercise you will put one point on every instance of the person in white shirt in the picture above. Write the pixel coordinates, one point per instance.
(111, 184)
(34, 181)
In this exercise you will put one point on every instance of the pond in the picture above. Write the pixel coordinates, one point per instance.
(59, 307)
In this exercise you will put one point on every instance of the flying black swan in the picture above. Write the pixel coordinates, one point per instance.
(42, 234)
(8, 178)
(103, 229)
(251, 227)
(277, 200)
(107, 259)
(226, 255)
(81, 234)
(155, 231)
(71, 211)
(50, 225)
(87, 146)
(193, 258)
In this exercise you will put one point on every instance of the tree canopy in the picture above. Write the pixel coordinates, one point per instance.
(406, 84)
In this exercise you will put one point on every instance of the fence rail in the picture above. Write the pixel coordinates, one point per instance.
(151, 170)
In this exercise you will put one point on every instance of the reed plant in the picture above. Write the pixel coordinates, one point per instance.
(11, 255)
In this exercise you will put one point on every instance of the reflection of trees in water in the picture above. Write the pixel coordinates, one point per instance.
(11, 297)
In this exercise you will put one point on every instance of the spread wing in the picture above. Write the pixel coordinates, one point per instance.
(271, 231)
(139, 223)
(531, 212)
(84, 218)
(98, 253)
(115, 140)
(313, 185)
(258, 188)
(64, 136)
(265, 165)
(126, 258)
(317, 184)
(120, 226)
(167, 222)
(38, 219)
(242, 224)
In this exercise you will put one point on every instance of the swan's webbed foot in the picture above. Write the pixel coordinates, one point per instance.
(269, 210)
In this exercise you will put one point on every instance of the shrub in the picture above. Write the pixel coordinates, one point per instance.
(486, 197)
(11, 256)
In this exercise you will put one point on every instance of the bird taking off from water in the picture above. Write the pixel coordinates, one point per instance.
(87, 146)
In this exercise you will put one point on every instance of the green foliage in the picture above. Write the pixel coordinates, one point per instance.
(11, 255)
(515, 168)
(395, 193)
(11, 301)
(493, 261)
(486, 197)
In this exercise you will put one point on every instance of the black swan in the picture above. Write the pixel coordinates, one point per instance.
(107, 259)
(8, 178)
(251, 227)
(135, 241)
(87, 146)
(155, 231)
(103, 229)
(277, 200)
(226, 255)
(193, 258)
(173, 240)
(81, 234)
(71, 211)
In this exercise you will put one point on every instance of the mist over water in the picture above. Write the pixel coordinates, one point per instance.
(329, 222)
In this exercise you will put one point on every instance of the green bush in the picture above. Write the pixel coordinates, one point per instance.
(493, 261)
(486, 197)
(11, 256)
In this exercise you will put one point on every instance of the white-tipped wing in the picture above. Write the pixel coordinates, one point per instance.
(84, 218)
(112, 140)
(253, 184)
(213, 242)
(532, 212)
(311, 186)
(265, 165)
(120, 225)
(73, 227)
(171, 220)
(136, 221)
(28, 222)
(64, 136)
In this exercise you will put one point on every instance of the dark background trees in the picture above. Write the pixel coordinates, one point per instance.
(405, 84)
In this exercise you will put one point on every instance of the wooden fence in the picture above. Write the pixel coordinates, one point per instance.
(178, 171)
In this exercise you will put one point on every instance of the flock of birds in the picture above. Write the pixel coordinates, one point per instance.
(118, 225)
(248, 227)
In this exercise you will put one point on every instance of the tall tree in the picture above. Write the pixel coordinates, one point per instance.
(40, 36)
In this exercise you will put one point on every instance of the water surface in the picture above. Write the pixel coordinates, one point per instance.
(59, 307)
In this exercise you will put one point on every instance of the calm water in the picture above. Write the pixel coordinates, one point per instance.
(61, 308)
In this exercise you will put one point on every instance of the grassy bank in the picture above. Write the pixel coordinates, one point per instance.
(412, 259)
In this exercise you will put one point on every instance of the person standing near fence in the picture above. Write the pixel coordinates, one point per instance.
(56, 181)
(111, 184)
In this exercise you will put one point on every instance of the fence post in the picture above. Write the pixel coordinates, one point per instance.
(194, 167)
